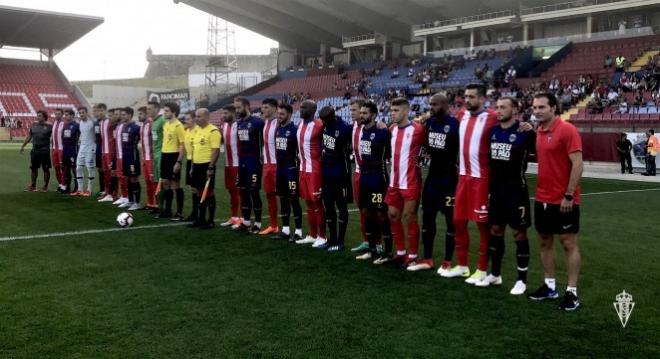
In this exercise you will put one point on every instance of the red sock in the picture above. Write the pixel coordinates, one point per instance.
(413, 236)
(272, 209)
(312, 218)
(364, 231)
(123, 184)
(320, 219)
(462, 242)
(235, 202)
(484, 236)
(151, 193)
(108, 176)
(397, 235)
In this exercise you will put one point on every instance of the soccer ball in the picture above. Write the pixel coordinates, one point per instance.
(125, 219)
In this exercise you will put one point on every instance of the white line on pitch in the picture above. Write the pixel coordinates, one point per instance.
(151, 226)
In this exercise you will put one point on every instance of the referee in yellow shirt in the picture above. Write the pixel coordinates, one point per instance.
(170, 165)
(191, 127)
(206, 148)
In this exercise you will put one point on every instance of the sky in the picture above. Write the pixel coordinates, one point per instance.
(117, 48)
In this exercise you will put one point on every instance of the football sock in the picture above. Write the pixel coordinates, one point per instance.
(462, 242)
(297, 213)
(522, 259)
(496, 249)
(169, 194)
(246, 204)
(342, 221)
(211, 207)
(572, 290)
(272, 209)
(413, 236)
(331, 220)
(256, 203)
(101, 179)
(428, 232)
(550, 282)
(137, 191)
(196, 209)
(285, 211)
(179, 200)
(484, 236)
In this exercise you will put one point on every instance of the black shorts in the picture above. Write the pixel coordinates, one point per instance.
(549, 220)
(286, 182)
(167, 162)
(69, 159)
(130, 165)
(40, 160)
(509, 206)
(337, 187)
(439, 194)
(200, 176)
(189, 178)
(249, 176)
(373, 189)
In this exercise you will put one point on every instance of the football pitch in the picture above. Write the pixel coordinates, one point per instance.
(72, 285)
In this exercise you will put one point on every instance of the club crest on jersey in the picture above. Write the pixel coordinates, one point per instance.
(288, 133)
(446, 129)
(337, 133)
(512, 138)
(249, 125)
(494, 137)
(372, 136)
(202, 141)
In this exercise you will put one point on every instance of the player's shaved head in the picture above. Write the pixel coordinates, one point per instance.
(307, 109)
(439, 104)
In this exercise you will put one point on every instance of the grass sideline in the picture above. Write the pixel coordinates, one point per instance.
(176, 292)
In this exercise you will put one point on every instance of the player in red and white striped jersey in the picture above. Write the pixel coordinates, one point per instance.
(56, 148)
(230, 146)
(405, 185)
(108, 155)
(471, 204)
(146, 143)
(119, 154)
(268, 110)
(310, 135)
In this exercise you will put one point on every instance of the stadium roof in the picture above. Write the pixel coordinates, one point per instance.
(304, 24)
(30, 28)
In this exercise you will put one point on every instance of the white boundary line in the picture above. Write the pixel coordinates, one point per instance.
(151, 226)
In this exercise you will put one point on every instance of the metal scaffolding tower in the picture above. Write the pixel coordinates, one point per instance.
(221, 69)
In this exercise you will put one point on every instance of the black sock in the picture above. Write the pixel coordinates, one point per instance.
(285, 211)
(196, 208)
(387, 234)
(179, 200)
(131, 193)
(428, 231)
(211, 206)
(201, 211)
(246, 204)
(496, 251)
(342, 221)
(169, 195)
(522, 259)
(370, 228)
(297, 212)
(101, 180)
(113, 185)
(256, 203)
(450, 236)
(137, 189)
(331, 220)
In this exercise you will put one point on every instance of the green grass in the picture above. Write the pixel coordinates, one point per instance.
(175, 292)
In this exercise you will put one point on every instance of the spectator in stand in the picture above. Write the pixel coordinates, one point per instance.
(19, 124)
(623, 106)
(639, 99)
(395, 73)
(612, 97)
(620, 62)
(608, 61)
(623, 148)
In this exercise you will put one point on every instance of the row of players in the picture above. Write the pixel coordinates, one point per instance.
(477, 170)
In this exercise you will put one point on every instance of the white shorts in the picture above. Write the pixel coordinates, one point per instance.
(86, 159)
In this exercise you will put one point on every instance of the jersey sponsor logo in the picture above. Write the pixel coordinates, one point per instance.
(124, 137)
(500, 151)
(365, 147)
(244, 135)
(67, 133)
(437, 140)
(281, 143)
(329, 141)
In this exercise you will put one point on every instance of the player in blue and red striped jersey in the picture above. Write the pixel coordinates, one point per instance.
(440, 185)
(286, 150)
(70, 135)
(405, 186)
(130, 138)
(336, 176)
(374, 151)
(310, 136)
(250, 143)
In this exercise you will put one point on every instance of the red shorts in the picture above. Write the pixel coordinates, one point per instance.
(310, 186)
(148, 170)
(106, 161)
(118, 167)
(56, 156)
(270, 178)
(396, 197)
(471, 201)
(231, 176)
(356, 188)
